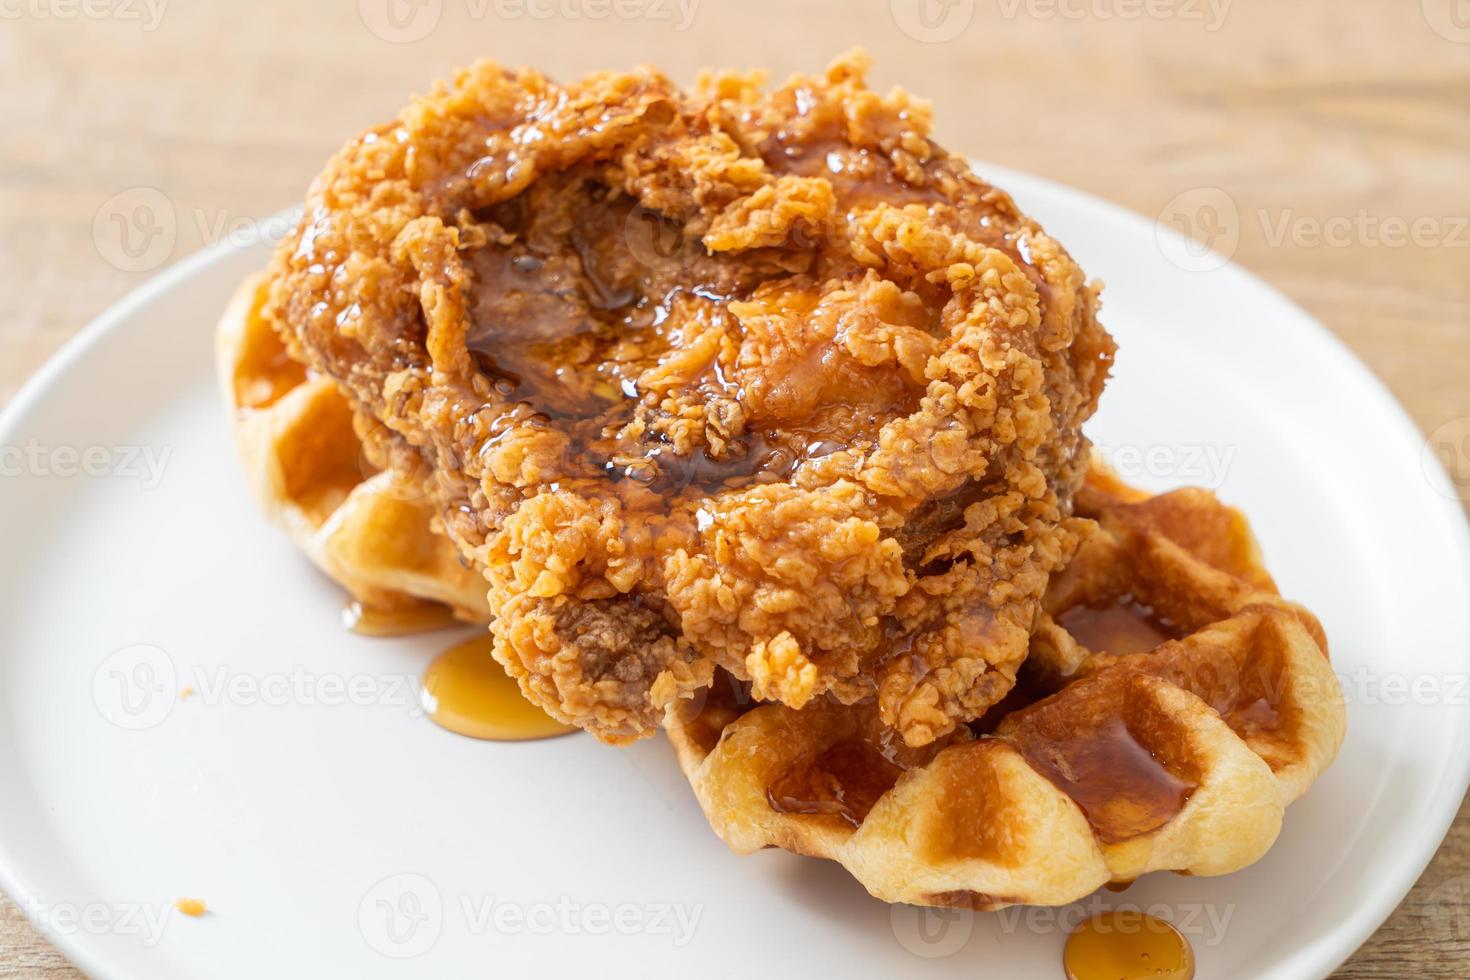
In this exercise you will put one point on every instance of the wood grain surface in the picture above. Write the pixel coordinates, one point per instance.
(1325, 143)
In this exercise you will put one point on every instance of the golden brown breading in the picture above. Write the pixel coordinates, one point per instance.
(759, 379)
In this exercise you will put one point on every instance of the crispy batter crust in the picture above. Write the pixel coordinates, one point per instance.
(1172, 706)
(764, 380)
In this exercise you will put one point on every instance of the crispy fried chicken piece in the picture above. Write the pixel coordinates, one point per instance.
(759, 379)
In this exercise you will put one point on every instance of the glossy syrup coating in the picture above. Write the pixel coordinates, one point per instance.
(1171, 706)
(466, 692)
(1127, 945)
(762, 379)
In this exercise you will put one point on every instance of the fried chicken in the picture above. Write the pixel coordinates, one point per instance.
(759, 379)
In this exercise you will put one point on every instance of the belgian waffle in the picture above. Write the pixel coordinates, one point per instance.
(306, 468)
(1172, 706)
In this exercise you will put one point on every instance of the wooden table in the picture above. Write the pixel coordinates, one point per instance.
(1338, 131)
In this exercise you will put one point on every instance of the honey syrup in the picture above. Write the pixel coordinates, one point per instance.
(466, 691)
(405, 620)
(1127, 945)
(1122, 627)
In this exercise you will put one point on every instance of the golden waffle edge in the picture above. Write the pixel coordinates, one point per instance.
(1178, 749)
(307, 471)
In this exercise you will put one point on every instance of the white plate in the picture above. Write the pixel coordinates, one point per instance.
(357, 839)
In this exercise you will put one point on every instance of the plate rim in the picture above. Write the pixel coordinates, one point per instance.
(1319, 957)
(77, 951)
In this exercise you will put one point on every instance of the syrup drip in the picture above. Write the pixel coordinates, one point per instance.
(845, 781)
(467, 692)
(1127, 945)
(1124, 791)
(418, 617)
(1122, 628)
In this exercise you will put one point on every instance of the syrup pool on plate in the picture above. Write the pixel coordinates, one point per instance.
(1127, 945)
(466, 691)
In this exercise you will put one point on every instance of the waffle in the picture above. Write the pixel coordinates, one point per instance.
(1171, 707)
(306, 469)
